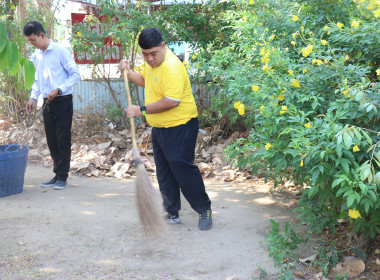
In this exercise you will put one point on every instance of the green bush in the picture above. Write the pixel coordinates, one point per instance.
(306, 75)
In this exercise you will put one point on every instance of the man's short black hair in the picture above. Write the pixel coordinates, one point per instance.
(33, 27)
(149, 38)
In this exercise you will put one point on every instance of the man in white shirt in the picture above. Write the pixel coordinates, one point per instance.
(55, 74)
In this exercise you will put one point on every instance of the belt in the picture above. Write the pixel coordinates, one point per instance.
(60, 98)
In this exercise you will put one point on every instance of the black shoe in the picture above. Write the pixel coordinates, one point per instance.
(205, 220)
(172, 219)
(60, 185)
(49, 184)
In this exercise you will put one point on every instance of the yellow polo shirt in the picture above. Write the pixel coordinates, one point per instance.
(170, 80)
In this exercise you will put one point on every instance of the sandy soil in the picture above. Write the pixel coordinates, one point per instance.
(90, 230)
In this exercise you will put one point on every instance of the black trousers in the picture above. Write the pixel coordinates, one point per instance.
(174, 152)
(58, 116)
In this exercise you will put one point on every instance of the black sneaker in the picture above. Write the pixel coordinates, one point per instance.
(49, 184)
(172, 219)
(60, 185)
(205, 220)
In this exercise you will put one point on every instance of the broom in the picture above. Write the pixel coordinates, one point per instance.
(148, 205)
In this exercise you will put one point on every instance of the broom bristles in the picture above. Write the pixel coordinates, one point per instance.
(148, 204)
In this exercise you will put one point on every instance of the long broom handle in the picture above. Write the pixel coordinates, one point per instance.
(131, 120)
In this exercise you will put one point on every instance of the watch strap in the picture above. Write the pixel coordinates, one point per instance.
(143, 110)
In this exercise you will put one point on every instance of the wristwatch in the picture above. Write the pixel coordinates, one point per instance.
(59, 91)
(143, 110)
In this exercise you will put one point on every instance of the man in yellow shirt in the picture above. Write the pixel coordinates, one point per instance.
(171, 110)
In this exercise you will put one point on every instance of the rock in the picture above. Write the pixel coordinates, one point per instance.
(203, 167)
(227, 175)
(351, 266)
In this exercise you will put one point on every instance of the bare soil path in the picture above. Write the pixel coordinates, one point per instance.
(90, 230)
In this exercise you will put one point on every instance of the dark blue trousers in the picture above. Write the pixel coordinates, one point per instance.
(174, 152)
(58, 116)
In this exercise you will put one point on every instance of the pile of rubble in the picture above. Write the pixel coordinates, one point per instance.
(101, 149)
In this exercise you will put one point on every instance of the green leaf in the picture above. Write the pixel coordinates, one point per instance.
(28, 74)
(12, 54)
(350, 200)
(365, 173)
(347, 140)
(336, 182)
(3, 36)
(369, 140)
(357, 134)
(339, 139)
(3, 60)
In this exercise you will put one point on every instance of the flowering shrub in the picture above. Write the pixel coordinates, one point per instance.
(306, 74)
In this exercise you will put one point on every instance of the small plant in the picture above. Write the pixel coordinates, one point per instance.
(281, 244)
(285, 273)
(327, 258)
(262, 275)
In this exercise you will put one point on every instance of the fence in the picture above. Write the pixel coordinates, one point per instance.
(98, 96)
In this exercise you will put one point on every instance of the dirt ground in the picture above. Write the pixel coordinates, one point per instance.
(90, 230)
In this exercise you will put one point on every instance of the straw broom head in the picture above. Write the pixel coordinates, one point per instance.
(148, 202)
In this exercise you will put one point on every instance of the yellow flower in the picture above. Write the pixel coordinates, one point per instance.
(265, 59)
(291, 72)
(377, 13)
(267, 146)
(142, 27)
(262, 108)
(340, 25)
(370, 7)
(266, 68)
(355, 149)
(307, 125)
(306, 51)
(378, 72)
(251, 2)
(295, 83)
(187, 66)
(301, 164)
(293, 43)
(326, 61)
(324, 42)
(304, 71)
(284, 109)
(281, 97)
(317, 61)
(241, 109)
(294, 18)
(345, 81)
(185, 62)
(347, 57)
(79, 34)
(197, 65)
(255, 88)
(271, 37)
(355, 23)
(326, 27)
(354, 214)
(346, 92)
(193, 57)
